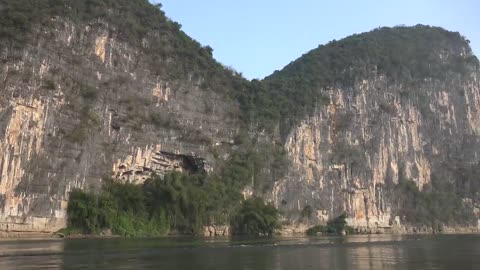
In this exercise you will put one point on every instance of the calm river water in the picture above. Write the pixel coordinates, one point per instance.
(353, 252)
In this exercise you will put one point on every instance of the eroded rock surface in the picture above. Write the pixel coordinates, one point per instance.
(140, 166)
(80, 101)
(348, 154)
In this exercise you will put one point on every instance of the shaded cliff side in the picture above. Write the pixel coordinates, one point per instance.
(114, 89)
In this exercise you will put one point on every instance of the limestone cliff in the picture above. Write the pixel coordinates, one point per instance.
(348, 153)
(79, 103)
(121, 92)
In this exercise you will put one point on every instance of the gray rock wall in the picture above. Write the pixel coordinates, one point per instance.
(348, 155)
(79, 103)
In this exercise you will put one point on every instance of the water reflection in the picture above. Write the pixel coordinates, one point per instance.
(375, 256)
(356, 252)
(31, 254)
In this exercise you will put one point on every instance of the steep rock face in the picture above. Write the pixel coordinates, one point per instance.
(145, 162)
(348, 154)
(80, 101)
(83, 99)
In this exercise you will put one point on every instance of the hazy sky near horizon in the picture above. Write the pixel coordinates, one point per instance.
(257, 37)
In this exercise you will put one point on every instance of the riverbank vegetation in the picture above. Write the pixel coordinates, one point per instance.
(272, 107)
(336, 226)
(255, 218)
(176, 203)
(436, 205)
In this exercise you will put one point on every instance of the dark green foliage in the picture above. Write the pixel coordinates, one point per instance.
(255, 218)
(137, 111)
(335, 226)
(48, 84)
(388, 108)
(130, 197)
(257, 163)
(182, 198)
(15, 21)
(164, 120)
(134, 17)
(88, 120)
(467, 180)
(77, 135)
(178, 202)
(401, 53)
(307, 212)
(344, 152)
(137, 22)
(83, 212)
(404, 54)
(88, 93)
(436, 205)
(342, 121)
(119, 207)
(195, 136)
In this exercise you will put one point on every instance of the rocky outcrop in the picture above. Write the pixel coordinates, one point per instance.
(79, 101)
(22, 146)
(349, 154)
(140, 166)
(216, 230)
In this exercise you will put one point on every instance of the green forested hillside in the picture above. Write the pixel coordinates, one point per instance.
(406, 54)
(132, 21)
(403, 54)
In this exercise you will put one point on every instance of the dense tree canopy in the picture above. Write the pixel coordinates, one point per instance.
(335, 226)
(438, 203)
(402, 54)
(255, 218)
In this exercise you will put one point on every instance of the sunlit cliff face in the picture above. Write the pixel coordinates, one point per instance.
(348, 153)
(80, 104)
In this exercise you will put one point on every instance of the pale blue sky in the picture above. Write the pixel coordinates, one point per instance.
(256, 37)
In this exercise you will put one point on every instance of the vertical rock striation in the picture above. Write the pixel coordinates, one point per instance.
(347, 155)
(79, 101)
(85, 97)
